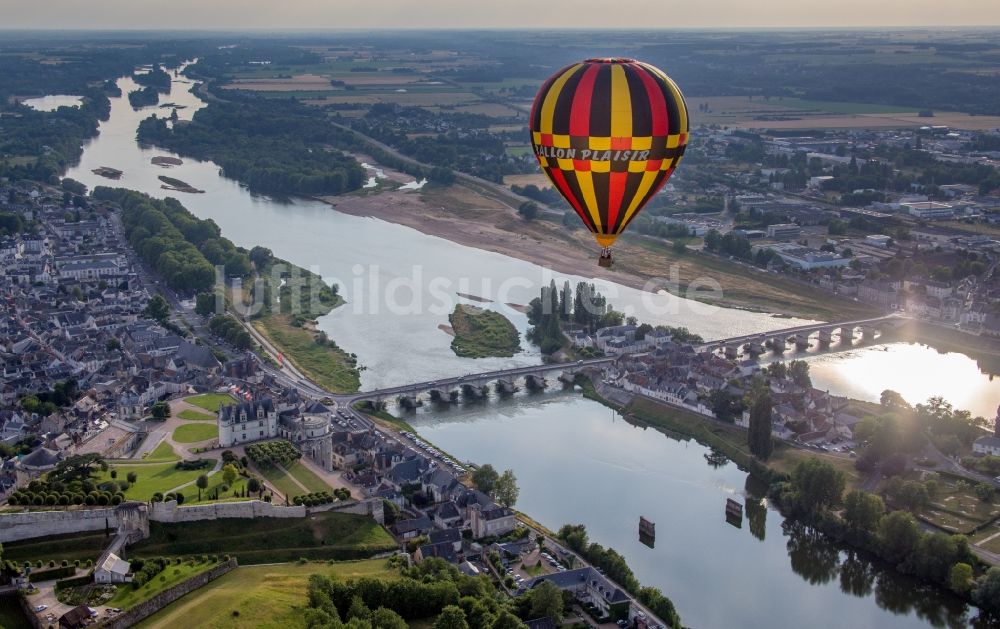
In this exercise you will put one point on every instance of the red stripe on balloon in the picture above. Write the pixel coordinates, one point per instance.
(657, 103)
(616, 192)
(557, 177)
(579, 122)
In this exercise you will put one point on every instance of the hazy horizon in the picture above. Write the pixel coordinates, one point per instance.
(457, 14)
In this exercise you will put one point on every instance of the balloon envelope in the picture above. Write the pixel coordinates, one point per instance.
(609, 133)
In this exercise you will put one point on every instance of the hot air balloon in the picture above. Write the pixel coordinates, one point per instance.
(609, 133)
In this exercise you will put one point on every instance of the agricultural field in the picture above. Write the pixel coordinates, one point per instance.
(794, 113)
(274, 593)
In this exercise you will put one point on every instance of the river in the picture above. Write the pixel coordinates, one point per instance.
(400, 284)
(576, 461)
(580, 462)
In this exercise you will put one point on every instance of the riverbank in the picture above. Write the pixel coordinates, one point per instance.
(480, 333)
(287, 320)
(464, 216)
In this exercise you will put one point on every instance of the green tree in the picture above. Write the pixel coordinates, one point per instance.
(506, 489)
(759, 432)
(385, 618)
(205, 304)
(261, 257)
(507, 620)
(985, 491)
(798, 371)
(546, 600)
(112, 345)
(893, 400)
(986, 592)
(485, 478)
(898, 535)
(230, 474)
(817, 484)
(862, 510)
(528, 210)
(451, 617)
(201, 483)
(157, 309)
(161, 410)
(960, 578)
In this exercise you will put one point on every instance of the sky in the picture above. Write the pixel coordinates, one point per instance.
(394, 14)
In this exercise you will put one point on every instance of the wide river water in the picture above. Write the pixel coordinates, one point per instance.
(576, 461)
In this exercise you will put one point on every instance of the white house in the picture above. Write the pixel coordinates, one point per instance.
(987, 445)
(113, 569)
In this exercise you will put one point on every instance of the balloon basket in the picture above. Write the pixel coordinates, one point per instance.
(605, 259)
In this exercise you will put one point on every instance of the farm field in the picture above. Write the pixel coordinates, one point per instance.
(275, 593)
(808, 114)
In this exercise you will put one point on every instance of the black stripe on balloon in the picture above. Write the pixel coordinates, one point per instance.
(642, 118)
(602, 192)
(631, 187)
(536, 119)
(673, 113)
(653, 189)
(600, 103)
(564, 103)
(574, 188)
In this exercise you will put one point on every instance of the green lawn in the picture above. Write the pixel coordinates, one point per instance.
(152, 478)
(215, 481)
(128, 596)
(265, 596)
(193, 433)
(324, 535)
(196, 416)
(210, 401)
(307, 477)
(162, 452)
(282, 479)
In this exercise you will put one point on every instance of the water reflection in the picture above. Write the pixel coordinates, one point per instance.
(567, 451)
(914, 370)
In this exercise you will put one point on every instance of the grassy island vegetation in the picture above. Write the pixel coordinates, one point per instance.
(480, 333)
(176, 184)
